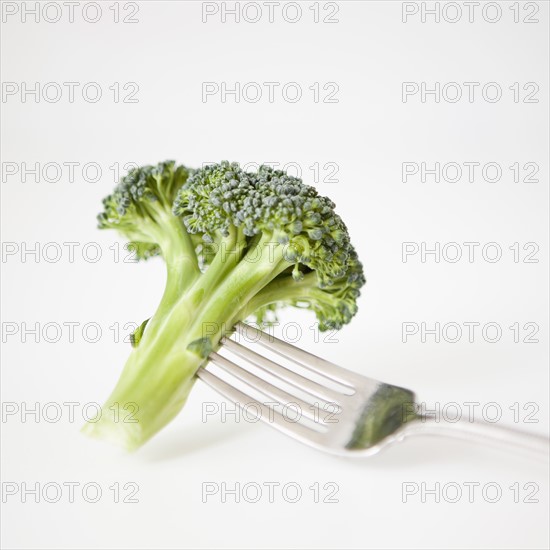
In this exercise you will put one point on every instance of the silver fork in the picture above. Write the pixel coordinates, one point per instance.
(338, 411)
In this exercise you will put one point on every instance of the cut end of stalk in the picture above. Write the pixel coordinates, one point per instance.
(128, 436)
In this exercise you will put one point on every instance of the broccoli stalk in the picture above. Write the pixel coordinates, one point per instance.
(236, 244)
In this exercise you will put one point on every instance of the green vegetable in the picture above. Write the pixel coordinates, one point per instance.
(236, 244)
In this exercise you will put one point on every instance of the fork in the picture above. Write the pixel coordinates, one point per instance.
(334, 409)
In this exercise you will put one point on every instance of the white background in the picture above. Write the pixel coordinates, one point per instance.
(369, 133)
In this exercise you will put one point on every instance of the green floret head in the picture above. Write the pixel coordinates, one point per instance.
(213, 199)
(273, 206)
(138, 203)
(338, 303)
(317, 237)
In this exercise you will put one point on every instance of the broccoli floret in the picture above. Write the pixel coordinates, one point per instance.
(237, 245)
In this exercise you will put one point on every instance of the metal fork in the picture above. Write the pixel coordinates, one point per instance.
(334, 409)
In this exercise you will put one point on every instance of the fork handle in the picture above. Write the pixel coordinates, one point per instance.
(486, 433)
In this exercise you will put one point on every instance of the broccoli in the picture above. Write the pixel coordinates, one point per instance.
(236, 244)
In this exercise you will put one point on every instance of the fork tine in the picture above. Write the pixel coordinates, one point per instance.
(270, 416)
(282, 373)
(303, 358)
(269, 390)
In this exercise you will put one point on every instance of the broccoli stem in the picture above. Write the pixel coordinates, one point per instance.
(259, 266)
(159, 373)
(178, 251)
(287, 290)
(181, 265)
